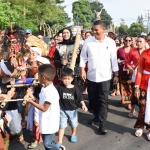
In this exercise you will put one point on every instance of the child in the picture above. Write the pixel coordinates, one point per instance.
(38, 138)
(48, 105)
(70, 97)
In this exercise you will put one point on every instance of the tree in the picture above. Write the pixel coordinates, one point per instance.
(95, 5)
(82, 13)
(35, 13)
(7, 15)
(123, 30)
(136, 29)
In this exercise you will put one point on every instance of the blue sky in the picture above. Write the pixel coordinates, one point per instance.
(126, 9)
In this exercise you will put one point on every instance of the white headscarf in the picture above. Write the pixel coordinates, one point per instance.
(43, 60)
(36, 49)
(4, 68)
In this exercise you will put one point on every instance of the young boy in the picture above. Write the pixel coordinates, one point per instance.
(49, 113)
(70, 97)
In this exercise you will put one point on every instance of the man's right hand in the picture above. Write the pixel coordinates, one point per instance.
(83, 75)
(64, 62)
(137, 92)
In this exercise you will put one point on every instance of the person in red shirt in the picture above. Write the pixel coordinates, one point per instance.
(52, 52)
(124, 82)
(142, 91)
(132, 63)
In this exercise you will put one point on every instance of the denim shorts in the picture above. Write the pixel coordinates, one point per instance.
(70, 116)
(21, 108)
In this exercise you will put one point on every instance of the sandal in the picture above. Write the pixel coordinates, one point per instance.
(148, 136)
(113, 94)
(129, 106)
(118, 93)
(131, 114)
(73, 139)
(139, 132)
(33, 145)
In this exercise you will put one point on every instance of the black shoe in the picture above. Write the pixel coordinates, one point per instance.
(94, 120)
(102, 129)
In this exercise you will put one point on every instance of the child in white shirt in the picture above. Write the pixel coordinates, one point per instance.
(48, 105)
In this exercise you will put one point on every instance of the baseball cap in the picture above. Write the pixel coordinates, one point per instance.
(28, 31)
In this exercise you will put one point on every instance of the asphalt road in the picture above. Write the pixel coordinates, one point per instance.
(120, 133)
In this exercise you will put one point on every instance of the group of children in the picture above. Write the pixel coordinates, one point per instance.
(50, 107)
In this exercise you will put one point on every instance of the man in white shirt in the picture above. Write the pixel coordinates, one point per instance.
(100, 53)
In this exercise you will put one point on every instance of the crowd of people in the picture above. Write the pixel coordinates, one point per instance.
(36, 80)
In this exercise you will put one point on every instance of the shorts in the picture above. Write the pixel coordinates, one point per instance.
(70, 116)
(21, 108)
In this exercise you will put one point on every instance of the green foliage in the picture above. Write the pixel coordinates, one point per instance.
(82, 13)
(32, 13)
(95, 5)
(123, 30)
(136, 29)
(7, 15)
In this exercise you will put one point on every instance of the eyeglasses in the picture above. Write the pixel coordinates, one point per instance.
(127, 40)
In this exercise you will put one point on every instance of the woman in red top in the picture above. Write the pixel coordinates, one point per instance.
(52, 52)
(142, 91)
(125, 83)
(132, 63)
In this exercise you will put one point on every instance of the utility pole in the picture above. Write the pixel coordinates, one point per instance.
(148, 23)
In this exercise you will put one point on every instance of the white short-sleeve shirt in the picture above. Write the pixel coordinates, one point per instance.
(49, 120)
(101, 58)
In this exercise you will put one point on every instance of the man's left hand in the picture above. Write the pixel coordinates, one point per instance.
(115, 80)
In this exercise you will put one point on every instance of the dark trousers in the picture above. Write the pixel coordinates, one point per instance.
(98, 99)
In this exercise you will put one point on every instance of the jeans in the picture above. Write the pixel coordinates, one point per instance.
(70, 116)
(48, 142)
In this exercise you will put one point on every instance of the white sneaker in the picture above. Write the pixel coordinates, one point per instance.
(62, 147)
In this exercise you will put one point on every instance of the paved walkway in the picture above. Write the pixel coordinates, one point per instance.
(120, 133)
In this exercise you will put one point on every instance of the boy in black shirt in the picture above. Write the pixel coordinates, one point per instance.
(70, 97)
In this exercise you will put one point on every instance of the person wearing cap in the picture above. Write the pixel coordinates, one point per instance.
(30, 39)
